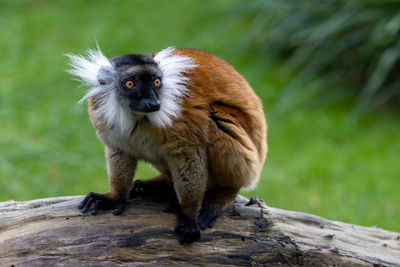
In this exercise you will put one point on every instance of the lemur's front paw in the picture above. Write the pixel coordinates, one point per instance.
(137, 189)
(101, 202)
(188, 228)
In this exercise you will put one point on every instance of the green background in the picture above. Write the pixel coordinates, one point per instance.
(321, 160)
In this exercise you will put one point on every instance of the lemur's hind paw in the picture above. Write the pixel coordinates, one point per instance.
(101, 202)
(208, 215)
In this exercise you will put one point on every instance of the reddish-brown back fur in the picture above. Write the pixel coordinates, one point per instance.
(225, 113)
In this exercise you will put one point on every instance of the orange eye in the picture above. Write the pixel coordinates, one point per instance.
(157, 82)
(129, 84)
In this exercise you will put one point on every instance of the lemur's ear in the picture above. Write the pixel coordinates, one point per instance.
(106, 76)
(86, 67)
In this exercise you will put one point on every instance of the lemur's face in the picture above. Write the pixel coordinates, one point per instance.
(138, 82)
(132, 86)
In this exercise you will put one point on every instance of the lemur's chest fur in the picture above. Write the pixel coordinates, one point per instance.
(140, 143)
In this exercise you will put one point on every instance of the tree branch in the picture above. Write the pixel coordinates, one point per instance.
(53, 231)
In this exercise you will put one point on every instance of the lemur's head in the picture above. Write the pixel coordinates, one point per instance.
(138, 82)
(133, 86)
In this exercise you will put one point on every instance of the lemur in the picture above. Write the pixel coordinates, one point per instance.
(189, 114)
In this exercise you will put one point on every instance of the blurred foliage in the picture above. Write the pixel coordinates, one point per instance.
(320, 160)
(353, 44)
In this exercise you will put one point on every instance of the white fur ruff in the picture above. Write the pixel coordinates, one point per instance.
(94, 69)
(174, 83)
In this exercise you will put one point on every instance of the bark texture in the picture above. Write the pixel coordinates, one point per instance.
(53, 232)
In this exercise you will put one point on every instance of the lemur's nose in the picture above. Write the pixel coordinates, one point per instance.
(152, 106)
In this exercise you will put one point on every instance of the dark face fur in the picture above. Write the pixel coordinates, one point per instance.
(139, 82)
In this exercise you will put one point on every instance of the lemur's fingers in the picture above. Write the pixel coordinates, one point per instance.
(87, 205)
(85, 200)
(101, 202)
(95, 209)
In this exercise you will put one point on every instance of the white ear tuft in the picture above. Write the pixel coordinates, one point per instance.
(173, 66)
(86, 68)
(94, 69)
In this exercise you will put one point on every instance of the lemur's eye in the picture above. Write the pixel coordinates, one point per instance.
(157, 82)
(129, 84)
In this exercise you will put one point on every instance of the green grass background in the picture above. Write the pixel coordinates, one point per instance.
(321, 160)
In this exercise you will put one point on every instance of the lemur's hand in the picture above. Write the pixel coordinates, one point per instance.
(102, 202)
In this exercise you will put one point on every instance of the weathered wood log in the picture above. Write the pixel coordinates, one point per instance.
(48, 232)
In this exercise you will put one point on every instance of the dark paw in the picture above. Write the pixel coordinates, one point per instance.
(137, 189)
(208, 216)
(188, 229)
(101, 202)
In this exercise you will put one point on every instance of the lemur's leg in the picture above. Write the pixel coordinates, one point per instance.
(189, 176)
(120, 169)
